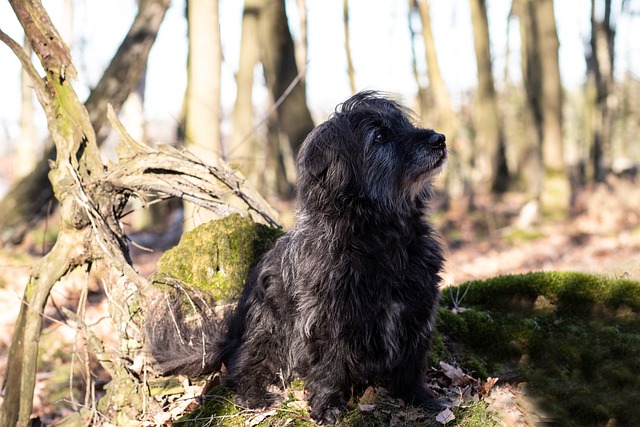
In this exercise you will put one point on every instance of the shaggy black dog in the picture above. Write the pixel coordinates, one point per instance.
(349, 296)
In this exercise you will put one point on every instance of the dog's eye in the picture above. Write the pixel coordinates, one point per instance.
(378, 136)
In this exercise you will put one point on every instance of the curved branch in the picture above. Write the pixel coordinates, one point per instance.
(179, 173)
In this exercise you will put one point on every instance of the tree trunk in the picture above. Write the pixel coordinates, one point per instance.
(28, 201)
(347, 45)
(202, 118)
(302, 48)
(491, 159)
(423, 104)
(541, 75)
(532, 155)
(287, 92)
(26, 152)
(71, 131)
(457, 180)
(600, 75)
(245, 154)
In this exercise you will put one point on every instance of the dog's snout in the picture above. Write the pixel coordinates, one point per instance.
(437, 140)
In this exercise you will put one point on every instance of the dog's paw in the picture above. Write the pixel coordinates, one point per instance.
(325, 416)
(253, 402)
(433, 404)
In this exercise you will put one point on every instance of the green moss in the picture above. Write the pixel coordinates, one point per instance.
(217, 256)
(574, 338)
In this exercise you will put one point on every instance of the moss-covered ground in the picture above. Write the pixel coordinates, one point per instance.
(573, 338)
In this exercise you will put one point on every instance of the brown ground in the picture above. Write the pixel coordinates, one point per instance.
(604, 237)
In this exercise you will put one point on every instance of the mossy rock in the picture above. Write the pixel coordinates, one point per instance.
(216, 257)
(573, 338)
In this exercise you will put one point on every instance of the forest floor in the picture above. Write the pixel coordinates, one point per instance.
(603, 237)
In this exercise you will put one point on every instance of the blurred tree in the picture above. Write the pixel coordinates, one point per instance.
(292, 121)
(457, 177)
(26, 151)
(302, 47)
(423, 93)
(28, 201)
(541, 76)
(266, 38)
(347, 45)
(244, 153)
(491, 159)
(202, 103)
(600, 89)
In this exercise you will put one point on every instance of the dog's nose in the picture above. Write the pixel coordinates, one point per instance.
(437, 140)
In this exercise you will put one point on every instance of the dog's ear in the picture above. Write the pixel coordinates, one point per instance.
(319, 156)
(323, 169)
(315, 155)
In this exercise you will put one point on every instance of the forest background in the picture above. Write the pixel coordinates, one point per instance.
(540, 102)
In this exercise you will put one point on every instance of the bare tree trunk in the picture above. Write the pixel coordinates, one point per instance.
(287, 93)
(29, 200)
(347, 46)
(600, 73)
(423, 103)
(457, 180)
(552, 146)
(71, 130)
(245, 153)
(556, 196)
(532, 156)
(26, 152)
(202, 119)
(492, 164)
(541, 75)
(302, 55)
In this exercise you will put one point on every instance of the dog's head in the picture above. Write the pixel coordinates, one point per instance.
(369, 152)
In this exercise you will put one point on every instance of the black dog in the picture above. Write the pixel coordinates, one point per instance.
(349, 296)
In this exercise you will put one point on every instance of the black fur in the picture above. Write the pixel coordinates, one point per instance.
(348, 297)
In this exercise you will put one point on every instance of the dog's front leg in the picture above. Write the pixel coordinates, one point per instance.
(407, 383)
(329, 390)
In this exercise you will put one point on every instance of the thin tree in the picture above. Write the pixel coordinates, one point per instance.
(292, 121)
(347, 46)
(202, 104)
(457, 179)
(541, 76)
(244, 152)
(26, 151)
(600, 62)
(488, 125)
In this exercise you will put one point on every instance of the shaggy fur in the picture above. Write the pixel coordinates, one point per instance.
(348, 297)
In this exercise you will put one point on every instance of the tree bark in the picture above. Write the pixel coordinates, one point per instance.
(202, 118)
(288, 94)
(492, 160)
(245, 154)
(457, 177)
(600, 74)
(541, 75)
(26, 152)
(78, 158)
(29, 200)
